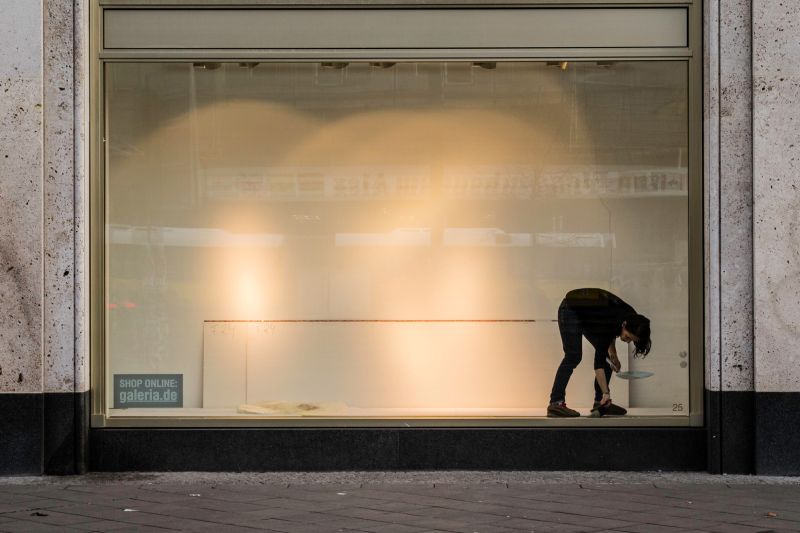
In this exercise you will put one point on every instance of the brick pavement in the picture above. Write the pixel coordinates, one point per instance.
(404, 503)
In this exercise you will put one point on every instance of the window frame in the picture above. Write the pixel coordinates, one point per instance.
(691, 55)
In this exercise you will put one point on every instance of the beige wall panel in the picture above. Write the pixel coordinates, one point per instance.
(395, 28)
(224, 364)
(443, 366)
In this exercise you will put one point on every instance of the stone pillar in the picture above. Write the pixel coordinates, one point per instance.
(729, 248)
(776, 190)
(39, 392)
(21, 164)
(64, 418)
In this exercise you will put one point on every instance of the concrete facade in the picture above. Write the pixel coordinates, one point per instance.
(751, 146)
(776, 190)
(42, 132)
(44, 196)
(21, 109)
(776, 233)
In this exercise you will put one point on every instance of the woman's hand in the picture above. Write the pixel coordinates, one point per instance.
(613, 360)
(606, 399)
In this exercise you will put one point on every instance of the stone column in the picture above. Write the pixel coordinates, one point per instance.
(776, 190)
(64, 404)
(21, 167)
(40, 394)
(729, 248)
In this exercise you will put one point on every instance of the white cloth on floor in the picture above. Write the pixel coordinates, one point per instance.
(294, 408)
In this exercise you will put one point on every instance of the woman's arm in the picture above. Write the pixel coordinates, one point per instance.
(600, 374)
(612, 356)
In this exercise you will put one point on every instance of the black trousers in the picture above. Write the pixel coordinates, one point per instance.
(571, 330)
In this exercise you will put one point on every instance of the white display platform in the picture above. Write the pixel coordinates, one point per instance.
(393, 368)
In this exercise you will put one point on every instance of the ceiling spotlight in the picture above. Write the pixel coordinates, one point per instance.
(207, 66)
(488, 65)
(560, 64)
(334, 64)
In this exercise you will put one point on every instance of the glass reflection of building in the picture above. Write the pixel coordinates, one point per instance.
(405, 230)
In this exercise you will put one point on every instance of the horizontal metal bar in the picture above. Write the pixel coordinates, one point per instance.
(311, 55)
(392, 3)
(253, 421)
(384, 321)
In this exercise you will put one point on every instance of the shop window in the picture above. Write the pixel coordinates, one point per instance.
(389, 239)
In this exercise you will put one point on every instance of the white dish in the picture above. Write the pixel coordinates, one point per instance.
(634, 374)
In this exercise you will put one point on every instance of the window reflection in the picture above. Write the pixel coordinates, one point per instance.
(392, 239)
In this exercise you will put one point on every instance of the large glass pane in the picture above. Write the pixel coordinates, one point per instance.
(389, 239)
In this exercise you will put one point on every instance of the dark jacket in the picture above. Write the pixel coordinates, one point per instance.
(600, 313)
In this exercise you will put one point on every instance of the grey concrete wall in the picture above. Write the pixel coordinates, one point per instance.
(59, 198)
(736, 210)
(776, 167)
(37, 196)
(21, 163)
(728, 195)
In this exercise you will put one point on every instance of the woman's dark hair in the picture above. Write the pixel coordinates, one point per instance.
(639, 326)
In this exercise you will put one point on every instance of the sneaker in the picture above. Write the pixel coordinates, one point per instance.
(609, 410)
(560, 410)
(597, 412)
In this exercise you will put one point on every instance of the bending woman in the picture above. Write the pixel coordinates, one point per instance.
(601, 317)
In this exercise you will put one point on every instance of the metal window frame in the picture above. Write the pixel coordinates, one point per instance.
(691, 55)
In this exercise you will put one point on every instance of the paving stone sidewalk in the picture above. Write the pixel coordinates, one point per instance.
(485, 502)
